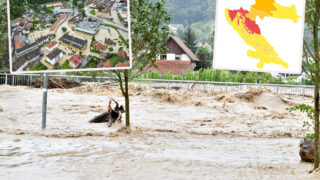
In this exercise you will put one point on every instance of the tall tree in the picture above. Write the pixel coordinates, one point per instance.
(189, 39)
(149, 32)
(4, 54)
(312, 60)
(205, 57)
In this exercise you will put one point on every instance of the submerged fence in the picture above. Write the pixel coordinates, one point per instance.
(301, 90)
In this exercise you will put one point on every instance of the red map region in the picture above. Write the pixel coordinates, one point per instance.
(251, 26)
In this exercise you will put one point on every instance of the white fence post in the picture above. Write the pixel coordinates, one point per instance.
(44, 101)
(6, 80)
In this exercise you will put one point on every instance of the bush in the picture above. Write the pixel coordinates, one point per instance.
(39, 67)
(64, 29)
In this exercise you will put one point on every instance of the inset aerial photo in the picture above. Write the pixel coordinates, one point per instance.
(48, 35)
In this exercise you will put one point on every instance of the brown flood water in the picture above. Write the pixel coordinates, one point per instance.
(203, 137)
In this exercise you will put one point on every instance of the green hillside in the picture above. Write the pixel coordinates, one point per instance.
(188, 12)
(199, 14)
(203, 30)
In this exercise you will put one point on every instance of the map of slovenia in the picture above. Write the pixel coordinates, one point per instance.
(244, 22)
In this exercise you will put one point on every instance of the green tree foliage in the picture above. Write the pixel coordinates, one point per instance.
(64, 29)
(149, 28)
(4, 54)
(80, 5)
(205, 57)
(311, 53)
(17, 8)
(189, 39)
(218, 76)
(75, 2)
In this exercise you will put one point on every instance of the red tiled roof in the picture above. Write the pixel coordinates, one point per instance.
(106, 64)
(76, 59)
(54, 26)
(122, 54)
(19, 20)
(18, 44)
(109, 42)
(51, 44)
(165, 66)
(103, 54)
(184, 48)
(101, 5)
(99, 46)
(29, 25)
(127, 64)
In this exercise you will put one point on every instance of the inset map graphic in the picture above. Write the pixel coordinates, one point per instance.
(247, 22)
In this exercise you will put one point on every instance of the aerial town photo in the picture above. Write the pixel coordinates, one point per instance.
(48, 35)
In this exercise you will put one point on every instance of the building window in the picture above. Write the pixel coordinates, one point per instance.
(178, 57)
(163, 57)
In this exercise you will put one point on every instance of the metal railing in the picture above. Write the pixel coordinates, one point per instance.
(301, 90)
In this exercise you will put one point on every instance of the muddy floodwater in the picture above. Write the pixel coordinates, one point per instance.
(173, 135)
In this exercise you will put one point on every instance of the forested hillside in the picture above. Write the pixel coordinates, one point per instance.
(17, 6)
(199, 14)
(188, 12)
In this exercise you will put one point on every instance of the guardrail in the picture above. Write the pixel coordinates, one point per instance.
(301, 90)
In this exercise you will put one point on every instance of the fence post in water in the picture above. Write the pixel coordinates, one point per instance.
(44, 101)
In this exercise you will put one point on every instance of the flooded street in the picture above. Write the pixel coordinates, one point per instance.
(148, 155)
(209, 135)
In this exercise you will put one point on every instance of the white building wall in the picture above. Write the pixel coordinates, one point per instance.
(185, 57)
(72, 65)
(171, 56)
(55, 60)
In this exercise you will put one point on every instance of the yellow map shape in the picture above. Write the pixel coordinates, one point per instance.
(263, 50)
(269, 8)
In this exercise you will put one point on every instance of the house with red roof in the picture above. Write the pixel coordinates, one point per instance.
(126, 64)
(99, 46)
(18, 44)
(105, 64)
(58, 22)
(75, 61)
(179, 58)
(123, 54)
(52, 45)
(66, 5)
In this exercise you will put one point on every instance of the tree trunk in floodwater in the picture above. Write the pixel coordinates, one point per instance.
(317, 80)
